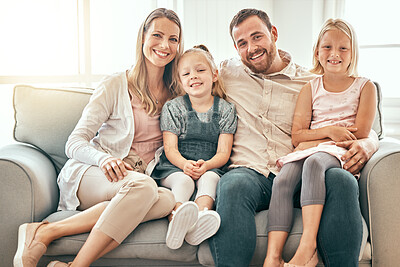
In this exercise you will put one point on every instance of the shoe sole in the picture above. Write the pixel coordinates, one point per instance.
(206, 227)
(183, 220)
(21, 245)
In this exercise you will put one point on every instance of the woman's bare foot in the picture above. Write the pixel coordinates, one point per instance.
(45, 233)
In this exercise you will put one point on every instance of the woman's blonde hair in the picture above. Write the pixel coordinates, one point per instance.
(137, 75)
(346, 28)
(218, 88)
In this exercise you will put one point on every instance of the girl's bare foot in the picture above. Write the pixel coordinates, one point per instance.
(303, 255)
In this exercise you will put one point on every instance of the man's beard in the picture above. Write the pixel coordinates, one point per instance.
(263, 66)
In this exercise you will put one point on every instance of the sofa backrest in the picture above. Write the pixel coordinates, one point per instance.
(45, 117)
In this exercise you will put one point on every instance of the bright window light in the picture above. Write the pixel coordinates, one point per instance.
(376, 26)
(114, 28)
(38, 37)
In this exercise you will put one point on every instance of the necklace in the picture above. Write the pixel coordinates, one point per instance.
(154, 96)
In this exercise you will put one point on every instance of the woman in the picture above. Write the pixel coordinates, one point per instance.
(117, 134)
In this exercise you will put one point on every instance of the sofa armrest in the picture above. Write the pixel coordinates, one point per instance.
(379, 199)
(28, 192)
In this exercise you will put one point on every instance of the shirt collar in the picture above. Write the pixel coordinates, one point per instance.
(289, 71)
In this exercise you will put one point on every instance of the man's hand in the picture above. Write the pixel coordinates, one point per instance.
(115, 169)
(355, 157)
(359, 151)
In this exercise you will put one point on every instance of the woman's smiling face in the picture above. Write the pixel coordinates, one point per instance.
(160, 42)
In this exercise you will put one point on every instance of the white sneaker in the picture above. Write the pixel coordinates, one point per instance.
(207, 225)
(183, 219)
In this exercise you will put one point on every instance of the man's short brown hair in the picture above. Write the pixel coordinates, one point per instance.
(246, 13)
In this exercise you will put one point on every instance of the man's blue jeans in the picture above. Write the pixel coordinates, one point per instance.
(242, 192)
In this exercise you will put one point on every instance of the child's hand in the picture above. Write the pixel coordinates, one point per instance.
(337, 133)
(189, 167)
(199, 169)
(305, 145)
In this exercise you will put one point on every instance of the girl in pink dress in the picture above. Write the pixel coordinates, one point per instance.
(336, 106)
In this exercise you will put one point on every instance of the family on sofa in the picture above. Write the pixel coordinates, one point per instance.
(175, 121)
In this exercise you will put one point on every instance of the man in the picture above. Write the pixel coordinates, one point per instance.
(264, 86)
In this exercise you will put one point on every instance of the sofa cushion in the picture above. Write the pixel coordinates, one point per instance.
(147, 241)
(45, 117)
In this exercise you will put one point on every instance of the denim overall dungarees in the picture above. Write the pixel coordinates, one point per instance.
(200, 142)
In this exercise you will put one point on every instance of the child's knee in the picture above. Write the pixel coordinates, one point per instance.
(187, 182)
(210, 177)
(313, 162)
(283, 185)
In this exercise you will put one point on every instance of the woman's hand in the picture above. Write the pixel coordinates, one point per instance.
(115, 169)
(337, 133)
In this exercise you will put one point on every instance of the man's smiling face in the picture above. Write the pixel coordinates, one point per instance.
(255, 44)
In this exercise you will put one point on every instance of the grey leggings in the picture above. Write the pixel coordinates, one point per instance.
(309, 173)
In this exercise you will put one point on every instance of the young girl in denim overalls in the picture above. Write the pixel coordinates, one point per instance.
(198, 132)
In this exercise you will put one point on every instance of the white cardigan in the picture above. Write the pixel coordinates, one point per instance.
(108, 113)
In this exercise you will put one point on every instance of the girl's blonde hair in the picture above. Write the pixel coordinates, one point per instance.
(346, 28)
(218, 88)
(137, 75)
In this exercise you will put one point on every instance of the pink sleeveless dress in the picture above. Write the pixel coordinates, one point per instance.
(330, 108)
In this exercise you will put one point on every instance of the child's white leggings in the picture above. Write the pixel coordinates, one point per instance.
(182, 185)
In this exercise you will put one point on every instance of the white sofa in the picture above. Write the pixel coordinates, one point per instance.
(28, 170)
